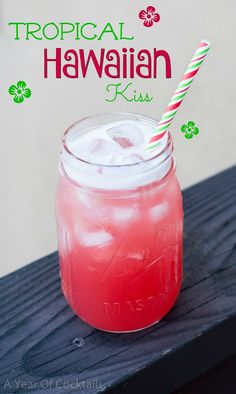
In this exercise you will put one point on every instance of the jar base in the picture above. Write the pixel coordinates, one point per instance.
(121, 331)
(129, 331)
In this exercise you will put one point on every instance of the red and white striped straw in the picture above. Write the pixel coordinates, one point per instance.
(179, 94)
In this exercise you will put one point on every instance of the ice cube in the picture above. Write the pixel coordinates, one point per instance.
(126, 135)
(86, 201)
(137, 255)
(124, 215)
(96, 238)
(101, 147)
(117, 159)
(158, 211)
(101, 151)
(120, 159)
(132, 159)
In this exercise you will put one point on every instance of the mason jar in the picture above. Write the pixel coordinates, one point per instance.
(119, 231)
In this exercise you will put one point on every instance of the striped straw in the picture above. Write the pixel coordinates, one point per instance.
(179, 94)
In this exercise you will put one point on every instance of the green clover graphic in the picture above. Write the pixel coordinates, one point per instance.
(19, 91)
(189, 129)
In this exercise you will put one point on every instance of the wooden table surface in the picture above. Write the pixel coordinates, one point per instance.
(44, 347)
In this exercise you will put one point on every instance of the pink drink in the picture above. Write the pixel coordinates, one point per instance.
(120, 241)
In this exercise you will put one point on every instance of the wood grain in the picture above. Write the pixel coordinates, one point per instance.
(219, 380)
(45, 348)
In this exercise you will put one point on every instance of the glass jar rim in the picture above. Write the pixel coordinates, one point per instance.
(80, 159)
(115, 176)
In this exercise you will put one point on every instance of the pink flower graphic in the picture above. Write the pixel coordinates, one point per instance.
(150, 16)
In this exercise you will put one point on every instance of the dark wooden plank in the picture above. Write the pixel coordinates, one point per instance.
(44, 345)
(219, 380)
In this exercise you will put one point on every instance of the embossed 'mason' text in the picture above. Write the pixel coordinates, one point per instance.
(114, 308)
